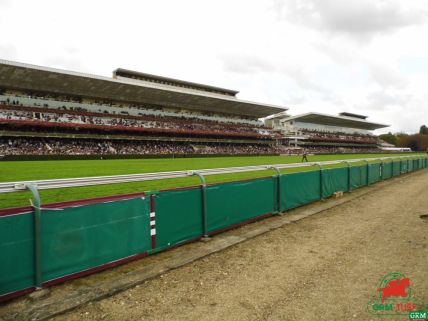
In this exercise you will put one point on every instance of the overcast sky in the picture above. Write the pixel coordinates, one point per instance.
(362, 56)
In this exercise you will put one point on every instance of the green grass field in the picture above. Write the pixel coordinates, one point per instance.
(37, 170)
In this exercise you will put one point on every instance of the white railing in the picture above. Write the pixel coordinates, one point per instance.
(9, 187)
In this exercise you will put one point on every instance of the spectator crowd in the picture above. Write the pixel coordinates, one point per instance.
(339, 137)
(61, 117)
(72, 146)
(69, 146)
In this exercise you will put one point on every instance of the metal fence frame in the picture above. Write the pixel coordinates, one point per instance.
(35, 186)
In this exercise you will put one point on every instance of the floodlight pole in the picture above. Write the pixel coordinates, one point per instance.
(36, 204)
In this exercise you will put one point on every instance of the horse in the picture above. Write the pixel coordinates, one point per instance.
(395, 288)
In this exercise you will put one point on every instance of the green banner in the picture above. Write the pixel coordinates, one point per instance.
(178, 216)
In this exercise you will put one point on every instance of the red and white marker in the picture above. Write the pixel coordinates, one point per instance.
(152, 221)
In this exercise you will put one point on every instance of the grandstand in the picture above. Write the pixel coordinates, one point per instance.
(46, 111)
(321, 133)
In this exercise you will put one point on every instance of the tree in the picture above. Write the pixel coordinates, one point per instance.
(417, 142)
(423, 130)
(389, 138)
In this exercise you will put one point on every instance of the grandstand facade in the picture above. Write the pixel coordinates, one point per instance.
(321, 133)
(46, 111)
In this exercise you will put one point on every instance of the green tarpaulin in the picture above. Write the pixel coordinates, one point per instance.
(75, 239)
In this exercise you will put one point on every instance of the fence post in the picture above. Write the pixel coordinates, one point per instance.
(368, 172)
(349, 175)
(321, 180)
(278, 191)
(381, 169)
(204, 204)
(36, 203)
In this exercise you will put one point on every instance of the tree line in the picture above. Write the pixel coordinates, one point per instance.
(417, 142)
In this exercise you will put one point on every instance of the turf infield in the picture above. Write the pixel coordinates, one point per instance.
(38, 170)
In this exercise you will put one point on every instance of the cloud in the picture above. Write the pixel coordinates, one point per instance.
(64, 62)
(358, 18)
(246, 64)
(387, 77)
(294, 100)
(338, 54)
(382, 100)
(7, 51)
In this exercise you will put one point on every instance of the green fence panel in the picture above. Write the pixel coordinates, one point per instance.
(236, 202)
(374, 173)
(387, 170)
(358, 176)
(335, 180)
(396, 168)
(17, 253)
(299, 189)
(178, 216)
(83, 237)
(79, 238)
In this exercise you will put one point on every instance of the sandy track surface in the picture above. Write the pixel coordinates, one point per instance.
(324, 267)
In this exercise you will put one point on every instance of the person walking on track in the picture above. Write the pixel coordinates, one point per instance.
(304, 156)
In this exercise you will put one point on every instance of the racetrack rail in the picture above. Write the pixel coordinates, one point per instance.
(9, 187)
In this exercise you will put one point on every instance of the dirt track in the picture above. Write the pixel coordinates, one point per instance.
(324, 267)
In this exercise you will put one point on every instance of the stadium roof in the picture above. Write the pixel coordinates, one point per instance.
(341, 121)
(55, 81)
(353, 115)
(278, 116)
(120, 72)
